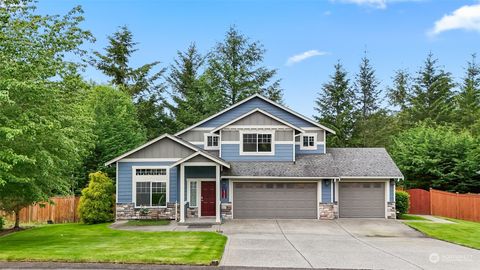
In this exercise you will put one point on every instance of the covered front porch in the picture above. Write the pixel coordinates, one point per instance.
(200, 192)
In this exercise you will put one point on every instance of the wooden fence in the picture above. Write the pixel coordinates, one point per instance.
(63, 209)
(446, 204)
(419, 202)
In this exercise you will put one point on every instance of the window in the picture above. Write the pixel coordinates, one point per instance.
(211, 142)
(150, 186)
(308, 142)
(257, 143)
(193, 194)
(151, 194)
(151, 171)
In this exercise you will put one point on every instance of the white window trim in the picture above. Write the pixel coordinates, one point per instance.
(150, 178)
(205, 137)
(314, 147)
(271, 132)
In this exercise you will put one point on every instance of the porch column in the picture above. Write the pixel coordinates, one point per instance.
(182, 193)
(217, 194)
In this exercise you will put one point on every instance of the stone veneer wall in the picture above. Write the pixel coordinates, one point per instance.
(125, 211)
(226, 211)
(192, 212)
(391, 210)
(326, 210)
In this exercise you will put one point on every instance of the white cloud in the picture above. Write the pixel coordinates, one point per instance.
(303, 56)
(381, 4)
(466, 18)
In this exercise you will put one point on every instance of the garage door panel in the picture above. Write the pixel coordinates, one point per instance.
(362, 199)
(274, 200)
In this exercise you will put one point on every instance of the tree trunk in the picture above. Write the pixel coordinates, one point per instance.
(17, 219)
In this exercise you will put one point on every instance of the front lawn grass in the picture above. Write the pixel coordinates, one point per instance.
(413, 217)
(461, 232)
(99, 243)
(160, 222)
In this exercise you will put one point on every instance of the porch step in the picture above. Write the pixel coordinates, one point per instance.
(199, 222)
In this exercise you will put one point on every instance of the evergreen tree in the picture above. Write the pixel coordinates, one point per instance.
(142, 84)
(189, 93)
(115, 63)
(469, 97)
(366, 89)
(432, 94)
(234, 68)
(399, 93)
(335, 105)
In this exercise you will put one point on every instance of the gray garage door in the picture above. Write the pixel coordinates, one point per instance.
(361, 199)
(274, 200)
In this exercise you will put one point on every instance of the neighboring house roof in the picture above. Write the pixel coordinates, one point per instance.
(265, 99)
(198, 151)
(254, 111)
(337, 162)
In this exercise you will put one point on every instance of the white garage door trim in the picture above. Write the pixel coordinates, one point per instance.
(386, 183)
(232, 182)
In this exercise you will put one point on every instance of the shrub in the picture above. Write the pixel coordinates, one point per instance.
(97, 201)
(2, 223)
(402, 202)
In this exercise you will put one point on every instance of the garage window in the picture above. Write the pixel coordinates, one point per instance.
(257, 143)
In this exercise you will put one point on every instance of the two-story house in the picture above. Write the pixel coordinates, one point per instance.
(254, 160)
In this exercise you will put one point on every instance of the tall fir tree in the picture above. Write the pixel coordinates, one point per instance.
(399, 93)
(367, 97)
(366, 89)
(335, 107)
(432, 94)
(190, 93)
(235, 69)
(143, 84)
(469, 97)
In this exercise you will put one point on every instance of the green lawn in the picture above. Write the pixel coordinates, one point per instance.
(462, 232)
(160, 222)
(98, 243)
(412, 217)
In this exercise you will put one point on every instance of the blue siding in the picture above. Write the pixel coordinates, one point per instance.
(326, 191)
(392, 190)
(251, 105)
(320, 150)
(124, 181)
(224, 185)
(283, 152)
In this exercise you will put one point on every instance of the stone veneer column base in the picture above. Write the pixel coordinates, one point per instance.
(391, 210)
(226, 210)
(192, 212)
(326, 210)
(125, 211)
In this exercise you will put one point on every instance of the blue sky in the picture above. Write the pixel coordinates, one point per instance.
(395, 33)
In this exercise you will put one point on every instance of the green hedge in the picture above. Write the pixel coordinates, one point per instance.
(2, 223)
(402, 202)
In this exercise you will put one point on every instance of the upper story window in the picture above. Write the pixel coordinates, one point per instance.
(308, 141)
(256, 143)
(211, 142)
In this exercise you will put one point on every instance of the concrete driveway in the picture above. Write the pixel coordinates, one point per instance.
(343, 243)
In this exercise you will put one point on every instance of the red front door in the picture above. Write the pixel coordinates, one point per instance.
(208, 198)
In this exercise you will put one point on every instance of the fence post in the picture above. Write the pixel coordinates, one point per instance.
(430, 199)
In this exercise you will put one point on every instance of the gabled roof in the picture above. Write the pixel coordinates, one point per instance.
(262, 112)
(198, 151)
(265, 99)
